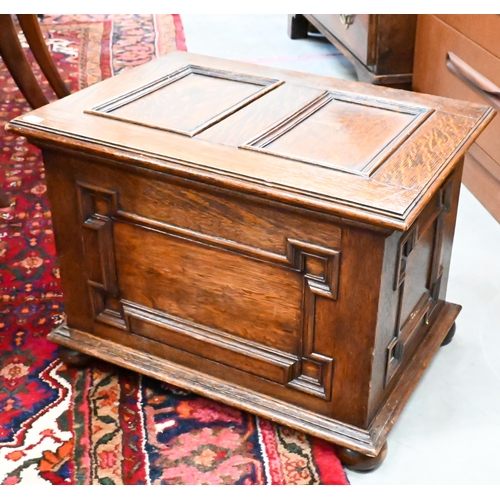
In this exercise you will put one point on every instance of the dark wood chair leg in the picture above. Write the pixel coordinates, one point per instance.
(31, 28)
(358, 462)
(15, 59)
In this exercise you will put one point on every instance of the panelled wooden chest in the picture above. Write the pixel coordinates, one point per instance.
(273, 240)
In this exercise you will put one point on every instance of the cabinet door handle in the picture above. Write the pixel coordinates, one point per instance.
(475, 80)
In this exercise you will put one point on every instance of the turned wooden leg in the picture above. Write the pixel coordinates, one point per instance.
(358, 462)
(449, 335)
(298, 26)
(73, 358)
(16, 62)
(31, 29)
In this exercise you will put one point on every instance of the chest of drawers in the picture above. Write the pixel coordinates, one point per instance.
(380, 46)
(273, 240)
(458, 56)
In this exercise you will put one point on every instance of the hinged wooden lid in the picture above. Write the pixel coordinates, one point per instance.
(370, 153)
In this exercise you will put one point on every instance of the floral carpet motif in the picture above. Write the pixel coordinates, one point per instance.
(104, 424)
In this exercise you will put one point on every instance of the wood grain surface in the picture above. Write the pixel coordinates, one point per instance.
(394, 194)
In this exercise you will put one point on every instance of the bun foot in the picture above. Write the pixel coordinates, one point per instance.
(358, 462)
(449, 335)
(73, 358)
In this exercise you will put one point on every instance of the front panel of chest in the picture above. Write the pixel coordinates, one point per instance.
(236, 287)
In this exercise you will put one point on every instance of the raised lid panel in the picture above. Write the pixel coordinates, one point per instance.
(262, 114)
(341, 132)
(389, 193)
(186, 101)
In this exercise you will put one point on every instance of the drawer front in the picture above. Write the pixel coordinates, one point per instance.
(482, 178)
(482, 29)
(434, 41)
(354, 36)
(484, 159)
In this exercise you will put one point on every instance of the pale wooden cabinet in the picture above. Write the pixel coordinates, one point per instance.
(458, 56)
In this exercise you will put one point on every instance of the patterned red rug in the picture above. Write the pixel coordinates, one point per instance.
(105, 425)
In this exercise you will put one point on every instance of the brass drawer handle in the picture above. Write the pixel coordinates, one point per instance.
(347, 19)
(475, 80)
